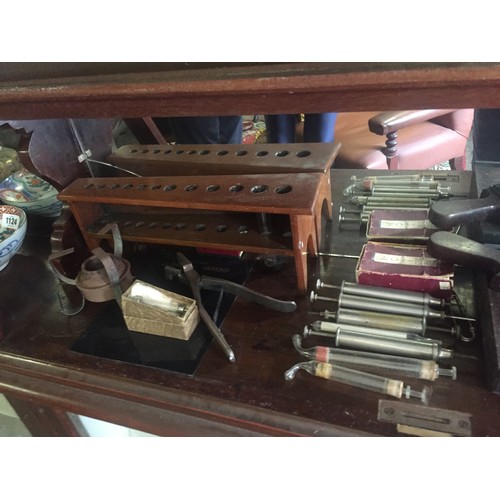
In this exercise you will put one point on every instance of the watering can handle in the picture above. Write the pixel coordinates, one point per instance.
(111, 271)
(117, 237)
(57, 255)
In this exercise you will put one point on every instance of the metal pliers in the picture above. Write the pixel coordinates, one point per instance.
(196, 282)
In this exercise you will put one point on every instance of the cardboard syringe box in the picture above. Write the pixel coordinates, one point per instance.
(404, 267)
(144, 318)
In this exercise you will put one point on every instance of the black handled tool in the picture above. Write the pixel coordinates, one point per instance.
(451, 247)
(447, 214)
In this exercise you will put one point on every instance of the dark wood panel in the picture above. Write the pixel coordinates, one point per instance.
(45, 421)
(251, 89)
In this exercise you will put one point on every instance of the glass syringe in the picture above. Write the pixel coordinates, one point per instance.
(355, 378)
(412, 367)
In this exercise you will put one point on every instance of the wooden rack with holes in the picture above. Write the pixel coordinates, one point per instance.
(220, 212)
(228, 159)
(233, 159)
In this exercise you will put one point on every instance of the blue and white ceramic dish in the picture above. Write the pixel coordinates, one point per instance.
(30, 193)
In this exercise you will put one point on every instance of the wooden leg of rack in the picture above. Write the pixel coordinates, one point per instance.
(323, 206)
(304, 240)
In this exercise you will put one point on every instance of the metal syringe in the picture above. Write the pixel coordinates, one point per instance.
(386, 306)
(331, 328)
(420, 368)
(410, 324)
(398, 347)
(379, 292)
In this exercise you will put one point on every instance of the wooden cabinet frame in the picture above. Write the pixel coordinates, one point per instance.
(36, 378)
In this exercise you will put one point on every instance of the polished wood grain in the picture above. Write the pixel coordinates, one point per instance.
(136, 91)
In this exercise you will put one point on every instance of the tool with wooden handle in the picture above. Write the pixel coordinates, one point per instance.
(457, 249)
(447, 214)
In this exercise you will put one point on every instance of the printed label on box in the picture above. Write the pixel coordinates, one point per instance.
(406, 224)
(404, 260)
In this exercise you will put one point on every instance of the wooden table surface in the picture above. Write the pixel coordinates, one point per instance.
(248, 397)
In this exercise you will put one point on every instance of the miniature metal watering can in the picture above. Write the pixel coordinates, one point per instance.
(103, 276)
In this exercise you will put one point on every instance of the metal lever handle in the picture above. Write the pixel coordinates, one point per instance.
(217, 284)
(194, 281)
(247, 294)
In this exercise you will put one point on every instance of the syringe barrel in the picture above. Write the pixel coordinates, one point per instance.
(356, 378)
(383, 306)
(409, 348)
(411, 367)
(410, 324)
(327, 326)
(378, 292)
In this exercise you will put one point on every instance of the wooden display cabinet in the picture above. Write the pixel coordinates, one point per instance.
(44, 379)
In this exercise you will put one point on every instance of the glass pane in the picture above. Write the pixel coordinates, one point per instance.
(100, 428)
(10, 424)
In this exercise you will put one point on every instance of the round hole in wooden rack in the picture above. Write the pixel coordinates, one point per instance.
(179, 152)
(200, 227)
(101, 186)
(222, 153)
(128, 186)
(127, 223)
(191, 187)
(236, 188)
(261, 188)
(180, 225)
(221, 228)
(156, 151)
(283, 189)
(243, 230)
(153, 224)
(140, 224)
(241, 153)
(212, 188)
(167, 225)
(303, 154)
(155, 187)
(141, 186)
(144, 151)
(203, 152)
(191, 152)
(167, 151)
(262, 153)
(88, 186)
(169, 187)
(282, 153)
(134, 150)
(114, 186)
